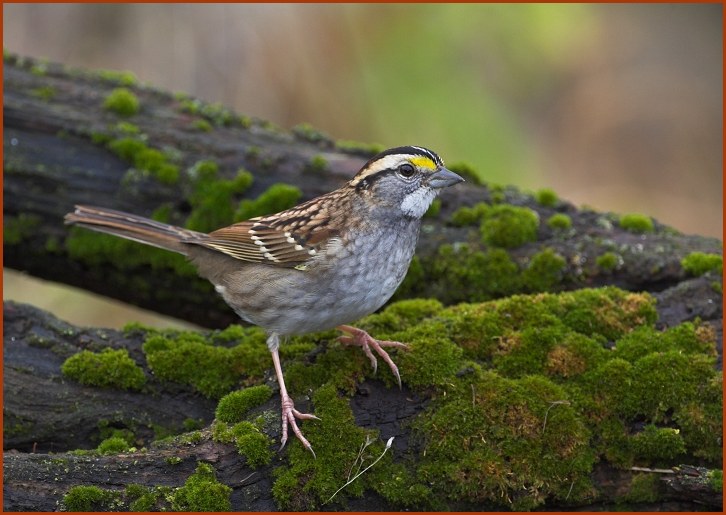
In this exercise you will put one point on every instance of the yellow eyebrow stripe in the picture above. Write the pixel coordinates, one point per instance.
(423, 162)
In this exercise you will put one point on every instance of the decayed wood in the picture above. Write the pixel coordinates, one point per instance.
(51, 163)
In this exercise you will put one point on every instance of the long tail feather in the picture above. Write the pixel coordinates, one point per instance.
(133, 227)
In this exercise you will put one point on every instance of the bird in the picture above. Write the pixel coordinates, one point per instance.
(320, 265)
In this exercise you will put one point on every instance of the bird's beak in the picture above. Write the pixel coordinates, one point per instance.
(443, 178)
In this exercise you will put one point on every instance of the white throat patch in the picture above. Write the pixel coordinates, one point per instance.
(417, 203)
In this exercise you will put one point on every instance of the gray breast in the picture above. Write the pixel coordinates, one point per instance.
(346, 282)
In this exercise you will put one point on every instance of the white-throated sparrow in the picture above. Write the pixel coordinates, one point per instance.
(319, 265)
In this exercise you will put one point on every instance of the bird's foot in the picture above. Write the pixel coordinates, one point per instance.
(289, 414)
(362, 339)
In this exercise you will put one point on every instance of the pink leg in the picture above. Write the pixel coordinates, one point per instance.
(362, 339)
(289, 413)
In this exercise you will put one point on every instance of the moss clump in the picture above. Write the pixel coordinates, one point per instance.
(212, 199)
(113, 445)
(19, 228)
(503, 441)
(309, 133)
(127, 128)
(120, 77)
(546, 197)
(545, 270)
(233, 406)
(469, 215)
(215, 112)
(658, 445)
(202, 492)
(637, 223)
(643, 488)
(276, 198)
(122, 102)
(699, 263)
(249, 440)
(475, 275)
(509, 226)
(715, 480)
(559, 221)
(202, 126)
(108, 369)
(608, 261)
(205, 364)
(317, 164)
(87, 498)
(466, 171)
(149, 161)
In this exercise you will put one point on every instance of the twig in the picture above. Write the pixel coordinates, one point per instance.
(657, 471)
(388, 446)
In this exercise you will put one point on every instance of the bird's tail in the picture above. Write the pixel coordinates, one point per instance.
(132, 227)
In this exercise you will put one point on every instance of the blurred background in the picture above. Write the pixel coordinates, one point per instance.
(618, 107)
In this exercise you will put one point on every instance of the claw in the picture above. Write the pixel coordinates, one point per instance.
(366, 342)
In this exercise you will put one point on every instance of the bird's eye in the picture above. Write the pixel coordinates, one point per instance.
(406, 170)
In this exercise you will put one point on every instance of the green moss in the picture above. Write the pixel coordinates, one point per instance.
(469, 215)
(39, 68)
(358, 148)
(113, 445)
(122, 102)
(637, 223)
(127, 128)
(317, 164)
(108, 369)
(431, 361)
(202, 492)
(509, 226)
(658, 445)
(87, 498)
(45, 93)
(212, 199)
(608, 261)
(202, 126)
(149, 160)
(19, 228)
(466, 171)
(715, 480)
(233, 406)
(434, 209)
(120, 77)
(249, 440)
(544, 271)
(546, 197)
(307, 482)
(643, 489)
(699, 263)
(464, 273)
(276, 198)
(307, 132)
(559, 221)
(505, 442)
(213, 370)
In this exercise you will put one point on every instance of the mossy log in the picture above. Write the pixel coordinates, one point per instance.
(48, 414)
(71, 137)
(65, 143)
